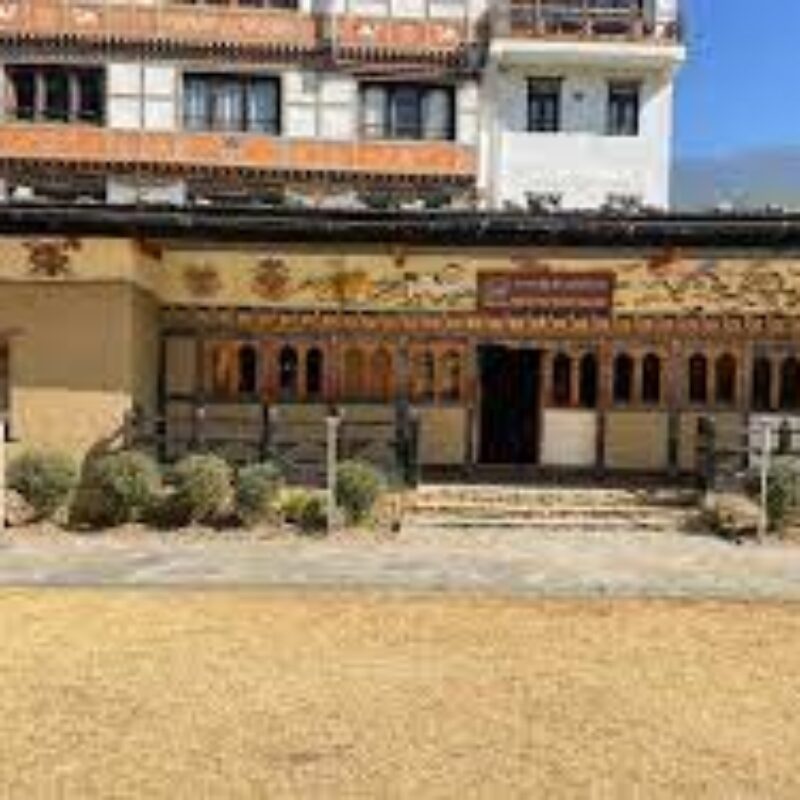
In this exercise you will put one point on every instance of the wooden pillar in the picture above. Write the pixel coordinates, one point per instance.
(775, 387)
(575, 378)
(605, 377)
(471, 386)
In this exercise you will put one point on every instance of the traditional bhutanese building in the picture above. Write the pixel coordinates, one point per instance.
(590, 342)
(444, 218)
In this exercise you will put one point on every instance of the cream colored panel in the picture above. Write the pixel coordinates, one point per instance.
(569, 438)
(637, 440)
(181, 365)
(442, 436)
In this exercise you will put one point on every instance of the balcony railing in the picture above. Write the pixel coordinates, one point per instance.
(579, 19)
(86, 145)
(273, 24)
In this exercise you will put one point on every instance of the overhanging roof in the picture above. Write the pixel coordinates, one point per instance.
(421, 228)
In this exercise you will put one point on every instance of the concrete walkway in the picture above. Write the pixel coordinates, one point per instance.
(505, 562)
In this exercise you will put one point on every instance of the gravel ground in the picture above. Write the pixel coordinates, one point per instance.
(504, 561)
(164, 693)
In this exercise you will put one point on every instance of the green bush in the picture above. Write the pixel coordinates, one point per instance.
(257, 490)
(358, 487)
(202, 490)
(115, 489)
(313, 515)
(45, 480)
(305, 509)
(783, 491)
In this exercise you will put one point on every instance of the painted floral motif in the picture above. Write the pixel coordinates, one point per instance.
(202, 281)
(51, 258)
(271, 280)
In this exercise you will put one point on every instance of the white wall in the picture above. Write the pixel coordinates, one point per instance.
(569, 438)
(319, 105)
(142, 96)
(580, 163)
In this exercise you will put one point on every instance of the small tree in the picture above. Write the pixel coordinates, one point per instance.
(257, 489)
(358, 487)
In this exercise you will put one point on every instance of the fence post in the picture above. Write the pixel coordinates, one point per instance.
(708, 439)
(766, 453)
(333, 419)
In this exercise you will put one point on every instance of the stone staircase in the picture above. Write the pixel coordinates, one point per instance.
(552, 509)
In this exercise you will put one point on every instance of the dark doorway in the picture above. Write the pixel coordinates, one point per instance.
(509, 405)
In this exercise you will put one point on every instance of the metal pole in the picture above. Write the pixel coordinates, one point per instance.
(333, 458)
(766, 447)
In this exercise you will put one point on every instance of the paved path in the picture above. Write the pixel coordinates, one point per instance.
(506, 562)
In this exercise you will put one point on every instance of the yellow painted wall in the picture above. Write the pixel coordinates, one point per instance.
(79, 357)
(637, 440)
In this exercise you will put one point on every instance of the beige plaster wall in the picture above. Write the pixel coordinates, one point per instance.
(729, 427)
(442, 436)
(81, 354)
(637, 440)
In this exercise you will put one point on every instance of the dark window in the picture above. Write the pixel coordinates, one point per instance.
(790, 384)
(248, 369)
(315, 362)
(588, 383)
(407, 111)
(5, 384)
(236, 103)
(762, 384)
(623, 379)
(288, 372)
(698, 379)
(544, 105)
(423, 377)
(651, 379)
(623, 109)
(562, 380)
(57, 94)
(726, 380)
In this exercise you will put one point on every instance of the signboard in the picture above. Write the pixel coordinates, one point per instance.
(577, 293)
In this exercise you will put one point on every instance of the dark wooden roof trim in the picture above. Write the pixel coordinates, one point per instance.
(421, 228)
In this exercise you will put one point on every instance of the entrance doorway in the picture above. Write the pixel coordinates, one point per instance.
(509, 419)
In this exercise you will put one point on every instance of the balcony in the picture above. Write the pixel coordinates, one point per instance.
(272, 25)
(612, 20)
(86, 146)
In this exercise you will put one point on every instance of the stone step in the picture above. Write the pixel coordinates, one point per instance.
(574, 525)
(632, 513)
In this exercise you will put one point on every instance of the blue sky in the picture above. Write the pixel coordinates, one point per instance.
(740, 88)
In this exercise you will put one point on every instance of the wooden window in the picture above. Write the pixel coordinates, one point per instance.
(762, 384)
(623, 108)
(354, 374)
(236, 103)
(248, 369)
(790, 384)
(57, 93)
(315, 372)
(451, 376)
(623, 379)
(588, 390)
(5, 383)
(223, 369)
(288, 373)
(423, 377)
(562, 380)
(698, 379)
(544, 105)
(651, 379)
(381, 375)
(407, 111)
(725, 379)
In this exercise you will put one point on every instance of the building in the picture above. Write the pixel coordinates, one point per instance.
(577, 342)
(547, 103)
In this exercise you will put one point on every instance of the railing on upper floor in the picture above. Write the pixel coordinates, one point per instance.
(85, 144)
(580, 19)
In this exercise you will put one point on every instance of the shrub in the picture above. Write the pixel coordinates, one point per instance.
(202, 490)
(117, 488)
(257, 490)
(305, 509)
(44, 479)
(783, 491)
(358, 488)
(313, 515)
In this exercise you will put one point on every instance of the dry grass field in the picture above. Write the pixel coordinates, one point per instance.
(240, 694)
